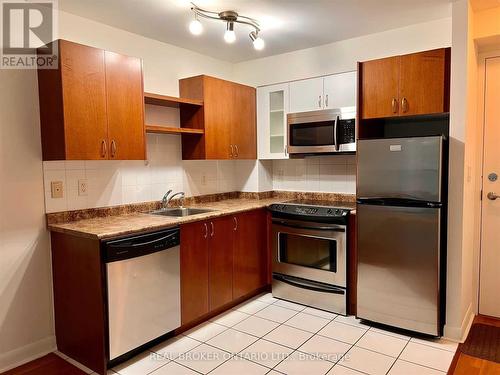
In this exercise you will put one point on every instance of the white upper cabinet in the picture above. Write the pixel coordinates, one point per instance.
(306, 95)
(272, 108)
(340, 90)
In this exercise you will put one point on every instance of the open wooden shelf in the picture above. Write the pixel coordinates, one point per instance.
(169, 101)
(172, 130)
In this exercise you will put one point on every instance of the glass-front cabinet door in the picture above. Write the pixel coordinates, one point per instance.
(272, 109)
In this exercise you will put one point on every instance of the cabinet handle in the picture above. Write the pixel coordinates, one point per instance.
(113, 148)
(104, 148)
(326, 100)
(319, 101)
(231, 146)
(235, 223)
(237, 152)
(404, 105)
(212, 229)
(206, 230)
(394, 105)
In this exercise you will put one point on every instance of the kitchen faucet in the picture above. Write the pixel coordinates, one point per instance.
(167, 198)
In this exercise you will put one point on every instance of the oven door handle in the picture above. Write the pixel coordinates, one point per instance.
(305, 285)
(289, 225)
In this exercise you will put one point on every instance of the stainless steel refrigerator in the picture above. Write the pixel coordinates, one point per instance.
(399, 221)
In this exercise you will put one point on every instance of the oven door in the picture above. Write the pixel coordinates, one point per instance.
(311, 251)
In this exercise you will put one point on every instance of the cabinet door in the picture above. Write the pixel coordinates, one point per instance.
(340, 90)
(249, 254)
(84, 101)
(244, 127)
(125, 107)
(218, 108)
(194, 271)
(379, 85)
(422, 85)
(306, 95)
(220, 250)
(272, 108)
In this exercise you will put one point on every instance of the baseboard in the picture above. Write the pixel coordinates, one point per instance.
(20, 356)
(459, 334)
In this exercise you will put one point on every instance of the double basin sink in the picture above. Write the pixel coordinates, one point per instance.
(179, 211)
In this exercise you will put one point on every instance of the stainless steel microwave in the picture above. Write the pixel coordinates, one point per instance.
(325, 131)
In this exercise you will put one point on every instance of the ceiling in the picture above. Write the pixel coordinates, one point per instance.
(287, 25)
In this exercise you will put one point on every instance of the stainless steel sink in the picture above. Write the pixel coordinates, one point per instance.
(179, 212)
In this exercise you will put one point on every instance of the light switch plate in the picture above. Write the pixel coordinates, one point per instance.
(83, 187)
(56, 189)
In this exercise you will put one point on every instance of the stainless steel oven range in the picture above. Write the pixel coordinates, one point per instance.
(309, 252)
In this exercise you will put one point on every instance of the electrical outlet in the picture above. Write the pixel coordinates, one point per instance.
(56, 189)
(82, 187)
(203, 179)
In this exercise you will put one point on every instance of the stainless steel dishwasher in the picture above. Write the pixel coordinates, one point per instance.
(143, 282)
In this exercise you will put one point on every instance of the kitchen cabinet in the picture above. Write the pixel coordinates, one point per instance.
(220, 270)
(194, 271)
(222, 259)
(340, 90)
(228, 118)
(329, 92)
(413, 84)
(92, 106)
(273, 106)
(249, 252)
(306, 95)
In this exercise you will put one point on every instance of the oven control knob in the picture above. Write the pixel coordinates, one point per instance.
(329, 212)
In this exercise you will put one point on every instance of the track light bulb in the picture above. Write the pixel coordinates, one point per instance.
(258, 42)
(196, 27)
(230, 35)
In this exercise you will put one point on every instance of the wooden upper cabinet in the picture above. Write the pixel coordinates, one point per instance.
(424, 84)
(414, 84)
(228, 118)
(93, 98)
(244, 127)
(125, 107)
(379, 87)
(73, 105)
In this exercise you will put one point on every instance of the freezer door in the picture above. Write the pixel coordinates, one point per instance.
(398, 267)
(405, 168)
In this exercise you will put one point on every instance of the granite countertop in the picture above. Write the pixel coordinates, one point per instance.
(118, 225)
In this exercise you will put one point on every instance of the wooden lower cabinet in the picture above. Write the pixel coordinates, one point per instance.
(221, 260)
(194, 271)
(249, 252)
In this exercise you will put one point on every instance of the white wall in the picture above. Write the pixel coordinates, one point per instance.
(26, 318)
(335, 174)
(342, 56)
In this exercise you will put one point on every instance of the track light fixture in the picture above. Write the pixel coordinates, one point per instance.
(230, 18)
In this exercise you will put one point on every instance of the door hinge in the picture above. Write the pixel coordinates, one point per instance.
(481, 197)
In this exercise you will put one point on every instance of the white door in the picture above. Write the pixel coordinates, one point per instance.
(272, 108)
(306, 95)
(489, 301)
(340, 90)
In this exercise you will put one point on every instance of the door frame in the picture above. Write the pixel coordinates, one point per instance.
(482, 58)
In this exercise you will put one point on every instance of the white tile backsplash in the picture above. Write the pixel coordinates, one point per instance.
(112, 182)
(329, 174)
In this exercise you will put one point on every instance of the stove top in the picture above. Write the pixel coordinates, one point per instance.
(320, 203)
(313, 210)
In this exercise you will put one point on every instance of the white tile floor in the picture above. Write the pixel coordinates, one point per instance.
(269, 336)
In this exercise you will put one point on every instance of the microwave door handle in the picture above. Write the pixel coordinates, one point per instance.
(335, 134)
